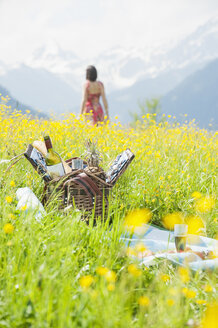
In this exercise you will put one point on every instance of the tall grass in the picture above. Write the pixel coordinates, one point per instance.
(51, 272)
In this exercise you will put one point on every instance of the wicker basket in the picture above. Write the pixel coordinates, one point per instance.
(66, 191)
(84, 190)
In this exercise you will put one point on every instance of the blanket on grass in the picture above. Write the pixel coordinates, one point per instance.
(162, 245)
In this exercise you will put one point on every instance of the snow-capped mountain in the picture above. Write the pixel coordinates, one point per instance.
(51, 78)
(120, 68)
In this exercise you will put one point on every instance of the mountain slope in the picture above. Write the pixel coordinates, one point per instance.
(127, 100)
(196, 96)
(42, 89)
(15, 104)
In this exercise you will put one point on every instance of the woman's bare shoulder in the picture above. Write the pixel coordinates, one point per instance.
(86, 86)
(101, 85)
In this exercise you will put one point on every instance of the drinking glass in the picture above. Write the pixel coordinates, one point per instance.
(180, 233)
(77, 163)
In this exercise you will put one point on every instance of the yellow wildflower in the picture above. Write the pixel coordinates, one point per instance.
(12, 183)
(170, 302)
(195, 225)
(196, 195)
(143, 301)
(86, 281)
(9, 199)
(208, 288)
(136, 220)
(23, 208)
(190, 293)
(140, 248)
(102, 271)
(184, 274)
(165, 277)
(110, 276)
(184, 291)
(8, 228)
(171, 219)
(134, 271)
(204, 204)
(111, 287)
(210, 318)
(201, 302)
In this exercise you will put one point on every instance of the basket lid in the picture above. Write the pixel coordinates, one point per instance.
(119, 166)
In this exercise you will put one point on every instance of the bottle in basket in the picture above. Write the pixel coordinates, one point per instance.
(53, 160)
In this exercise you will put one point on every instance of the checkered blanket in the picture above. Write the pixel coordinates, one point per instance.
(162, 245)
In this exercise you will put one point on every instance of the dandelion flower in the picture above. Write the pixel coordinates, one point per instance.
(9, 199)
(111, 287)
(135, 220)
(165, 277)
(170, 302)
(102, 271)
(184, 274)
(12, 183)
(208, 288)
(195, 225)
(110, 276)
(140, 248)
(8, 228)
(196, 195)
(86, 281)
(210, 318)
(134, 271)
(201, 302)
(204, 204)
(143, 301)
(170, 220)
(23, 208)
(190, 293)
(184, 291)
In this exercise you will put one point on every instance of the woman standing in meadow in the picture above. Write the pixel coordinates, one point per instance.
(92, 91)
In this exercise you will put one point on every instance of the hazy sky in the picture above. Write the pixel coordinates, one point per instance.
(88, 27)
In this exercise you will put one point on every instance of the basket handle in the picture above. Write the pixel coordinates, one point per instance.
(91, 183)
(90, 188)
(82, 185)
(19, 157)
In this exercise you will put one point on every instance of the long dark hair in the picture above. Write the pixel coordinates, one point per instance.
(91, 73)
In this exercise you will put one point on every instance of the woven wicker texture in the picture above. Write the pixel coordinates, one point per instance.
(84, 190)
(65, 191)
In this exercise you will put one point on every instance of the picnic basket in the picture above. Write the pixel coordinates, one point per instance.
(83, 190)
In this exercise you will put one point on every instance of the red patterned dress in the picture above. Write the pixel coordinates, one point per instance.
(93, 105)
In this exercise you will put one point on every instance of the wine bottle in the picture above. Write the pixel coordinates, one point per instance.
(40, 146)
(53, 160)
